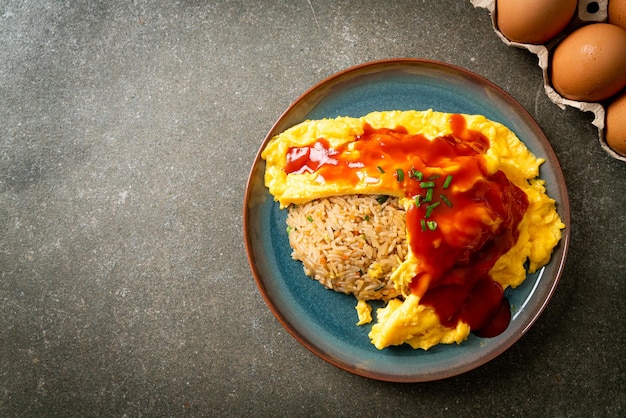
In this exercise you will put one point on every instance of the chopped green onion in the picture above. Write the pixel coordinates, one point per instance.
(382, 199)
(434, 177)
(415, 174)
(427, 184)
(429, 196)
(417, 200)
(423, 224)
(288, 230)
(447, 181)
(400, 174)
(309, 218)
(445, 200)
(380, 169)
(367, 218)
(430, 208)
(432, 225)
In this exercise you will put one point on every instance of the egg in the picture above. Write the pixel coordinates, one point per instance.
(533, 21)
(302, 187)
(615, 129)
(589, 65)
(617, 13)
(408, 320)
(364, 312)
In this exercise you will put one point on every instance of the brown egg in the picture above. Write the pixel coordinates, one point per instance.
(533, 21)
(589, 65)
(617, 13)
(615, 129)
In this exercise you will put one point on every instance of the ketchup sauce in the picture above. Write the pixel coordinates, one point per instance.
(462, 220)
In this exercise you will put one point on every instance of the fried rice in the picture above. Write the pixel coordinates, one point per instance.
(350, 244)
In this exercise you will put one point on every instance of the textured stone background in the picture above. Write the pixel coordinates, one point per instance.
(127, 131)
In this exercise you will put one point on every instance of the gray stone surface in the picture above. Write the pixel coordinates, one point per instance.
(127, 132)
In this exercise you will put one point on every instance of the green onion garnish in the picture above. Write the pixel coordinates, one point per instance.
(427, 184)
(417, 200)
(400, 174)
(415, 174)
(380, 169)
(309, 218)
(288, 230)
(445, 200)
(432, 225)
(429, 196)
(447, 181)
(382, 199)
(434, 177)
(430, 208)
(423, 224)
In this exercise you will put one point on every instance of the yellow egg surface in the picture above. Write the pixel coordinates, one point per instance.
(364, 312)
(405, 319)
(506, 152)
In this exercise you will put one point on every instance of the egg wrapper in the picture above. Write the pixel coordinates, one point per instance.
(543, 52)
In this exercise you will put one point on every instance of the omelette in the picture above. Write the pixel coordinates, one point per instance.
(478, 217)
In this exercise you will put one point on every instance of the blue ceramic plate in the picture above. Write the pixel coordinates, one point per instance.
(323, 320)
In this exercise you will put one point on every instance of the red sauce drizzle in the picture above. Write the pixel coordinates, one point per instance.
(476, 219)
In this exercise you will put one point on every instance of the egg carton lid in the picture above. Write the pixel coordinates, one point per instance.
(542, 52)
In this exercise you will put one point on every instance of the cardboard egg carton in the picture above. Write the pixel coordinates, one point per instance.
(589, 11)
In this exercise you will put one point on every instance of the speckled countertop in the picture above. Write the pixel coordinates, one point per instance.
(127, 134)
